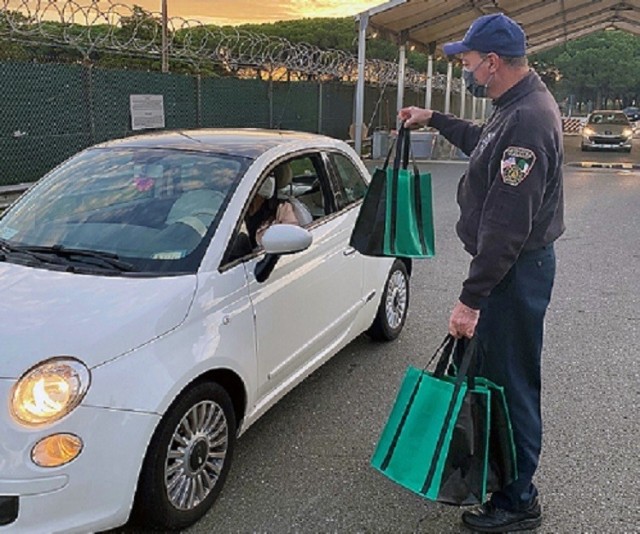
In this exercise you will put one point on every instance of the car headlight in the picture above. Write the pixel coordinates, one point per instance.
(627, 132)
(49, 391)
(588, 131)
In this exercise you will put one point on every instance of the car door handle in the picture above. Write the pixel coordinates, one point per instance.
(349, 251)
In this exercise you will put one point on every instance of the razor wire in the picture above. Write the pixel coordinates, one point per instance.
(107, 26)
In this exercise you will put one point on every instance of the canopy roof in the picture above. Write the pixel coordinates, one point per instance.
(547, 23)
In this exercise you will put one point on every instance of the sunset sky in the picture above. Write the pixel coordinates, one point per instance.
(240, 11)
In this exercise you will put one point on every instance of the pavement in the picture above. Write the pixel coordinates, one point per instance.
(304, 467)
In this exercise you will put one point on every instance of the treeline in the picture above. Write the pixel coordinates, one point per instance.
(600, 70)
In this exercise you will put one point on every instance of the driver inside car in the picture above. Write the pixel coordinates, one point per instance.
(266, 209)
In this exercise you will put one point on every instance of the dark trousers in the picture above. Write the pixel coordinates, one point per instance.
(510, 333)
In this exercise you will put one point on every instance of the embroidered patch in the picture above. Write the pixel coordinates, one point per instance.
(516, 164)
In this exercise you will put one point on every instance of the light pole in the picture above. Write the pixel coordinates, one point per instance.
(165, 38)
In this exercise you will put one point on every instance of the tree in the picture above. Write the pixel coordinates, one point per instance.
(603, 68)
(141, 25)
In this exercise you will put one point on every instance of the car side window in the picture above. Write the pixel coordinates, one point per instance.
(302, 183)
(351, 183)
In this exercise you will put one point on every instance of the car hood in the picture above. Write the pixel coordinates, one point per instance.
(93, 318)
(614, 129)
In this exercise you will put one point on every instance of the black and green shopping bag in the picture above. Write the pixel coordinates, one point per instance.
(396, 216)
(439, 441)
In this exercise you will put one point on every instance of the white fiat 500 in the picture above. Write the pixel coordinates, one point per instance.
(150, 312)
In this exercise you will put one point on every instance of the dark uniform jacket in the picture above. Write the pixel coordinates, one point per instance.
(510, 197)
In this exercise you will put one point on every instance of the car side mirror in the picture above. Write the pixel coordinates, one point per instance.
(286, 239)
(280, 239)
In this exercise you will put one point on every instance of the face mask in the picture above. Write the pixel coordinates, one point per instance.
(473, 86)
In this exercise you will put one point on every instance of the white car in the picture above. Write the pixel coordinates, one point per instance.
(144, 329)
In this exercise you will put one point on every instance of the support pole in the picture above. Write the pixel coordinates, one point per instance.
(320, 110)
(474, 104)
(165, 38)
(427, 102)
(447, 93)
(484, 109)
(402, 61)
(362, 44)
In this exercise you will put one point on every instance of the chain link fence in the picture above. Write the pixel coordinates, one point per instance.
(50, 111)
(67, 72)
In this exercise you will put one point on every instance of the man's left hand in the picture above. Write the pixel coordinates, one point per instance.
(463, 321)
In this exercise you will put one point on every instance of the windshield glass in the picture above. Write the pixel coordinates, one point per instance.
(156, 209)
(608, 118)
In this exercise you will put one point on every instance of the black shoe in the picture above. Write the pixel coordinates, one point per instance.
(489, 518)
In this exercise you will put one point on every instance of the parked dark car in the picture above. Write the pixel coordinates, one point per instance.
(607, 130)
(632, 113)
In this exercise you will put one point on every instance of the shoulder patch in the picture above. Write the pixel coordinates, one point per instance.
(516, 164)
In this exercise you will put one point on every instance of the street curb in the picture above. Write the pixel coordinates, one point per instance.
(597, 165)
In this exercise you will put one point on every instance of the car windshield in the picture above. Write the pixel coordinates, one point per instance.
(122, 210)
(608, 118)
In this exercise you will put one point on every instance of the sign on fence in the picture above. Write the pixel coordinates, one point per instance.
(147, 111)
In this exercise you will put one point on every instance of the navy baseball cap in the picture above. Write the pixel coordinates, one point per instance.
(491, 33)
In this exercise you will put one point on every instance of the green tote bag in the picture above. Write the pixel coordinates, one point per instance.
(396, 216)
(439, 441)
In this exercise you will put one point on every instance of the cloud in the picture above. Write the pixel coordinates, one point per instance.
(329, 8)
(229, 11)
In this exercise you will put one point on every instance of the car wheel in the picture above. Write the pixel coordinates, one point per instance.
(187, 460)
(392, 311)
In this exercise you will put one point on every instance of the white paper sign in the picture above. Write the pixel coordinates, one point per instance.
(147, 111)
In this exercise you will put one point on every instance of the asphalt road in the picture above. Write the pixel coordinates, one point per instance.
(304, 467)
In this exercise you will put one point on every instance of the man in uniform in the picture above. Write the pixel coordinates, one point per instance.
(511, 212)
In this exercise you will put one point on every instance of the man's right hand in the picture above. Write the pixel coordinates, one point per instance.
(414, 117)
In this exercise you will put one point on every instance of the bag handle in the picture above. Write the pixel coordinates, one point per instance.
(401, 161)
(444, 350)
(388, 158)
(403, 151)
(469, 354)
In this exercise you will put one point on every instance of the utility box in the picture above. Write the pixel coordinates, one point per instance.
(380, 144)
(422, 144)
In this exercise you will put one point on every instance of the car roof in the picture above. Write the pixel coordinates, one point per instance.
(246, 142)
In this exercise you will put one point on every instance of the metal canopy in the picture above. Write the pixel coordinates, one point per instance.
(428, 24)
(547, 23)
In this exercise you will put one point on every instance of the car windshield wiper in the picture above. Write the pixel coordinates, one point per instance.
(86, 256)
(7, 248)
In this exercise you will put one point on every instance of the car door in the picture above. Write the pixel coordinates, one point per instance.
(304, 310)
(348, 174)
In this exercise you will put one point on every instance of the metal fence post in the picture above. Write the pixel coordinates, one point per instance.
(270, 98)
(87, 71)
(320, 92)
(198, 101)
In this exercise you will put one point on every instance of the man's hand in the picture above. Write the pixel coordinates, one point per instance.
(463, 321)
(414, 117)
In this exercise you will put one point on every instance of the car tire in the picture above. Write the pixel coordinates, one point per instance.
(394, 304)
(187, 460)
